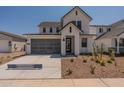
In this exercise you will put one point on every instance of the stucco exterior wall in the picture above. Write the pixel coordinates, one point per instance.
(80, 17)
(4, 46)
(65, 32)
(18, 46)
(106, 43)
(90, 41)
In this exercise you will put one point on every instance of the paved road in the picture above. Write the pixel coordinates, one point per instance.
(118, 82)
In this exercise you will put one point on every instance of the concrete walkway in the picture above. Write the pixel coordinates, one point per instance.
(118, 82)
(51, 67)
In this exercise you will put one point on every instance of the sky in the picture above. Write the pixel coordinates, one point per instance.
(22, 19)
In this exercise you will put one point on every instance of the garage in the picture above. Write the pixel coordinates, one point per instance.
(45, 46)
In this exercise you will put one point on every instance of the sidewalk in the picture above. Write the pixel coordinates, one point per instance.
(118, 82)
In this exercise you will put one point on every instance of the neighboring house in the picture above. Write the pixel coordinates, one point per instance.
(74, 35)
(114, 38)
(11, 42)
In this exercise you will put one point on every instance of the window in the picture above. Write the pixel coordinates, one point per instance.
(10, 43)
(51, 30)
(100, 30)
(84, 42)
(121, 43)
(44, 30)
(70, 29)
(79, 24)
(76, 12)
(108, 29)
(57, 29)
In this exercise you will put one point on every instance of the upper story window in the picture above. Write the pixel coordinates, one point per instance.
(70, 29)
(51, 30)
(76, 12)
(100, 30)
(57, 29)
(44, 30)
(79, 24)
(84, 42)
(108, 29)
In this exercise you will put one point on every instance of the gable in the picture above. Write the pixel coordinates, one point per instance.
(79, 10)
(70, 24)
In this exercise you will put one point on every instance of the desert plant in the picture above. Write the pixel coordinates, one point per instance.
(102, 63)
(112, 53)
(72, 60)
(69, 72)
(98, 53)
(92, 59)
(85, 60)
(110, 61)
(92, 69)
(97, 61)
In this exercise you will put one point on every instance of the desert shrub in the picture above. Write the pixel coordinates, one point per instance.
(109, 61)
(85, 60)
(69, 72)
(72, 60)
(92, 59)
(97, 61)
(92, 69)
(112, 53)
(102, 63)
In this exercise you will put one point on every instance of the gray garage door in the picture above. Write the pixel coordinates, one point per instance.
(45, 46)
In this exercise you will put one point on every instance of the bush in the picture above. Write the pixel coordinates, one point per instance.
(69, 72)
(85, 60)
(97, 61)
(102, 63)
(92, 69)
(92, 59)
(109, 61)
(72, 60)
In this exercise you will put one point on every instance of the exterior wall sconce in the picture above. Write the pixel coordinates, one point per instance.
(64, 39)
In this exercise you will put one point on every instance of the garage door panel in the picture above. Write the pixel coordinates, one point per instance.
(45, 46)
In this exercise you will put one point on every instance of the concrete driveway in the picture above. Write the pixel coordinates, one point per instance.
(51, 67)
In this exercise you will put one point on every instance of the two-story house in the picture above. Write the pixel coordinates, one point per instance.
(69, 36)
(74, 35)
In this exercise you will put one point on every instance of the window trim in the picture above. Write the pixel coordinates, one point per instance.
(76, 12)
(79, 26)
(100, 30)
(51, 29)
(84, 44)
(44, 29)
(70, 29)
(57, 29)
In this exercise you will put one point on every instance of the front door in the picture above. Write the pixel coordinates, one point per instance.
(68, 45)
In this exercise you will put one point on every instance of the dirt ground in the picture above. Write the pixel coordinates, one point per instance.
(75, 67)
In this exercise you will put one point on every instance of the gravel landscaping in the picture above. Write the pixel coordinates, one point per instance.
(85, 67)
